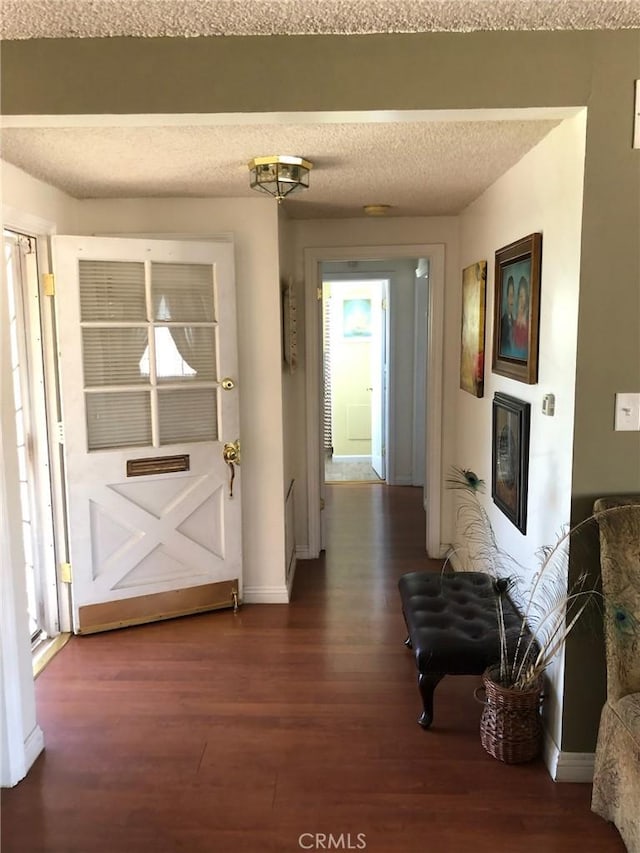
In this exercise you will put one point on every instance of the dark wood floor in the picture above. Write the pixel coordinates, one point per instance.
(237, 733)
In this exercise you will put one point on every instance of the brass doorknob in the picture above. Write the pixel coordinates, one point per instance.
(231, 455)
(228, 383)
(231, 452)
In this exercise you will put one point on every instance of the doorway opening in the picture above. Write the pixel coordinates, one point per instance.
(355, 370)
(414, 428)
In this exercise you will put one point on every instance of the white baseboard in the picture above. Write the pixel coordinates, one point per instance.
(305, 554)
(265, 595)
(291, 575)
(364, 458)
(567, 766)
(33, 746)
(401, 480)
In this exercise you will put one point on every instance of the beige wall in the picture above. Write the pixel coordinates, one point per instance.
(254, 74)
(605, 462)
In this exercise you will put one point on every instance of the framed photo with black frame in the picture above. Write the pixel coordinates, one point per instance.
(516, 309)
(510, 457)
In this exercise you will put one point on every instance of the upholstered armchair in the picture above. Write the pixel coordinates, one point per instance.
(616, 781)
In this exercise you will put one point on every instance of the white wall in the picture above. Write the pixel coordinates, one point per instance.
(394, 231)
(543, 192)
(32, 206)
(290, 399)
(24, 198)
(21, 739)
(254, 225)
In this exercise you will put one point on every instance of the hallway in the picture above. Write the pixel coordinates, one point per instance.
(252, 732)
(339, 471)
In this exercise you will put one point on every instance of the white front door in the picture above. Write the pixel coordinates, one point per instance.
(148, 378)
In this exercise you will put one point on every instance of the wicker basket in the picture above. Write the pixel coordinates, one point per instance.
(510, 726)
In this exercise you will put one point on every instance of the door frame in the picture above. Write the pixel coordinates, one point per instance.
(313, 257)
(380, 414)
(47, 416)
(386, 424)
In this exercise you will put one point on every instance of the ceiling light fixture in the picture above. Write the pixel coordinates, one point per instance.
(279, 175)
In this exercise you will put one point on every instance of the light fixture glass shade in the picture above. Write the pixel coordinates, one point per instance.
(279, 175)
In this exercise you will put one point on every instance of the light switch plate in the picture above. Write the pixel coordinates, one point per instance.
(627, 412)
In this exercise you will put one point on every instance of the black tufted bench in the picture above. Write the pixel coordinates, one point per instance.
(452, 622)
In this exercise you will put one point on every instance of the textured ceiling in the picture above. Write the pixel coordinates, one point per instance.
(22, 19)
(421, 168)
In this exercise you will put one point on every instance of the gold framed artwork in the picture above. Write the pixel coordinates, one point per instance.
(517, 309)
(474, 279)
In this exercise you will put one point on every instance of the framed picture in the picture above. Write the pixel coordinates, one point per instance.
(474, 280)
(517, 309)
(510, 458)
(356, 318)
(289, 326)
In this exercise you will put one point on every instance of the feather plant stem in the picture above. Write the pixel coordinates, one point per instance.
(503, 639)
(547, 654)
(559, 632)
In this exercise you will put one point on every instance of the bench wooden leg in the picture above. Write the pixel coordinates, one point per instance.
(427, 684)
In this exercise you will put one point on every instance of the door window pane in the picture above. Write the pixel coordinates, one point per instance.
(189, 415)
(185, 352)
(182, 293)
(112, 290)
(118, 419)
(112, 356)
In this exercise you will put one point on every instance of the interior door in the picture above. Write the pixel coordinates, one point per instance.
(379, 381)
(148, 378)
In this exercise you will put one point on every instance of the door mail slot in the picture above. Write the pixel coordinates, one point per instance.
(157, 465)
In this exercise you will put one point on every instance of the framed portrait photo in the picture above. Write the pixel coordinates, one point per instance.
(516, 309)
(474, 280)
(510, 458)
